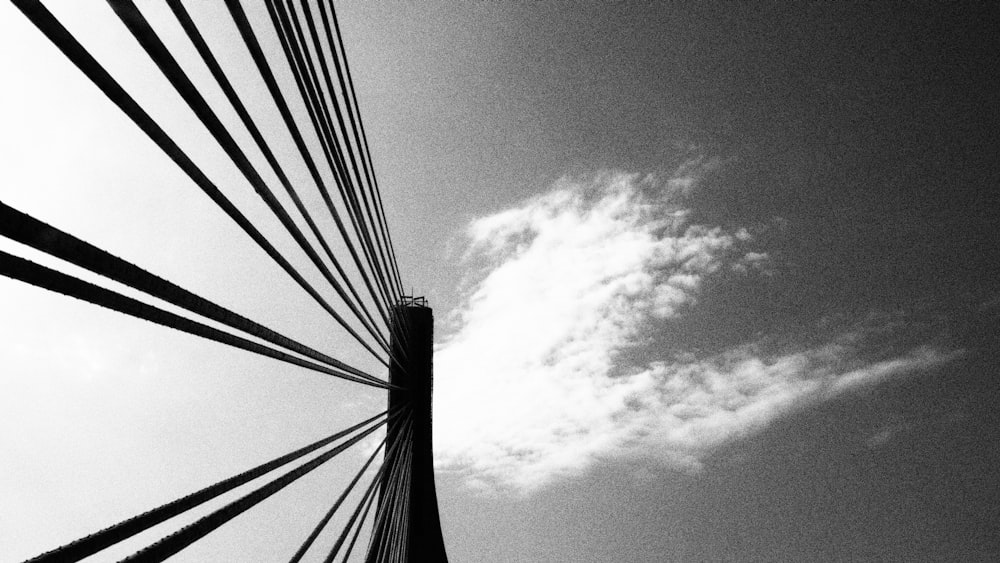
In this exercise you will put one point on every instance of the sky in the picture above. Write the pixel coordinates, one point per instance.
(711, 282)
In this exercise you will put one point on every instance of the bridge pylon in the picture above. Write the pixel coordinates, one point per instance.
(407, 495)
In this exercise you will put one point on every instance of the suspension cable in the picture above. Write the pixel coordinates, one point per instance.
(333, 509)
(234, 99)
(257, 54)
(389, 496)
(391, 538)
(357, 531)
(400, 514)
(364, 137)
(297, 53)
(18, 268)
(376, 226)
(191, 533)
(361, 142)
(89, 545)
(314, 107)
(299, 40)
(79, 56)
(318, 49)
(390, 462)
(25, 229)
(137, 25)
(404, 531)
(378, 250)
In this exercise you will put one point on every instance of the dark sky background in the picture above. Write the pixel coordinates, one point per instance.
(859, 137)
(871, 128)
(812, 487)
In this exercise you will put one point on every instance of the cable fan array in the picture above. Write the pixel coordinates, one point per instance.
(313, 49)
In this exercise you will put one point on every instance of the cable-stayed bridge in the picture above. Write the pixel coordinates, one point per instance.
(394, 496)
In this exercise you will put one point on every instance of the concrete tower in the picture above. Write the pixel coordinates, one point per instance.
(412, 345)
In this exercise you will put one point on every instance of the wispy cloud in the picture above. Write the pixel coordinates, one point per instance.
(540, 378)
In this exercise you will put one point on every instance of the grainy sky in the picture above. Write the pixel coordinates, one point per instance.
(713, 282)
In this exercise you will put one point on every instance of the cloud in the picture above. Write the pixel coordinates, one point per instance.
(540, 377)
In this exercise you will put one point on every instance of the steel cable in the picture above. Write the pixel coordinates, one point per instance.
(333, 509)
(318, 49)
(390, 460)
(234, 99)
(355, 123)
(137, 25)
(306, 81)
(330, 148)
(18, 268)
(364, 137)
(79, 56)
(191, 533)
(25, 229)
(357, 531)
(89, 545)
(389, 497)
(253, 45)
(370, 227)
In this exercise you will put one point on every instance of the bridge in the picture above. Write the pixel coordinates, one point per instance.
(397, 503)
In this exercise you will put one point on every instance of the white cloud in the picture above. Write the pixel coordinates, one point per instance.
(534, 382)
